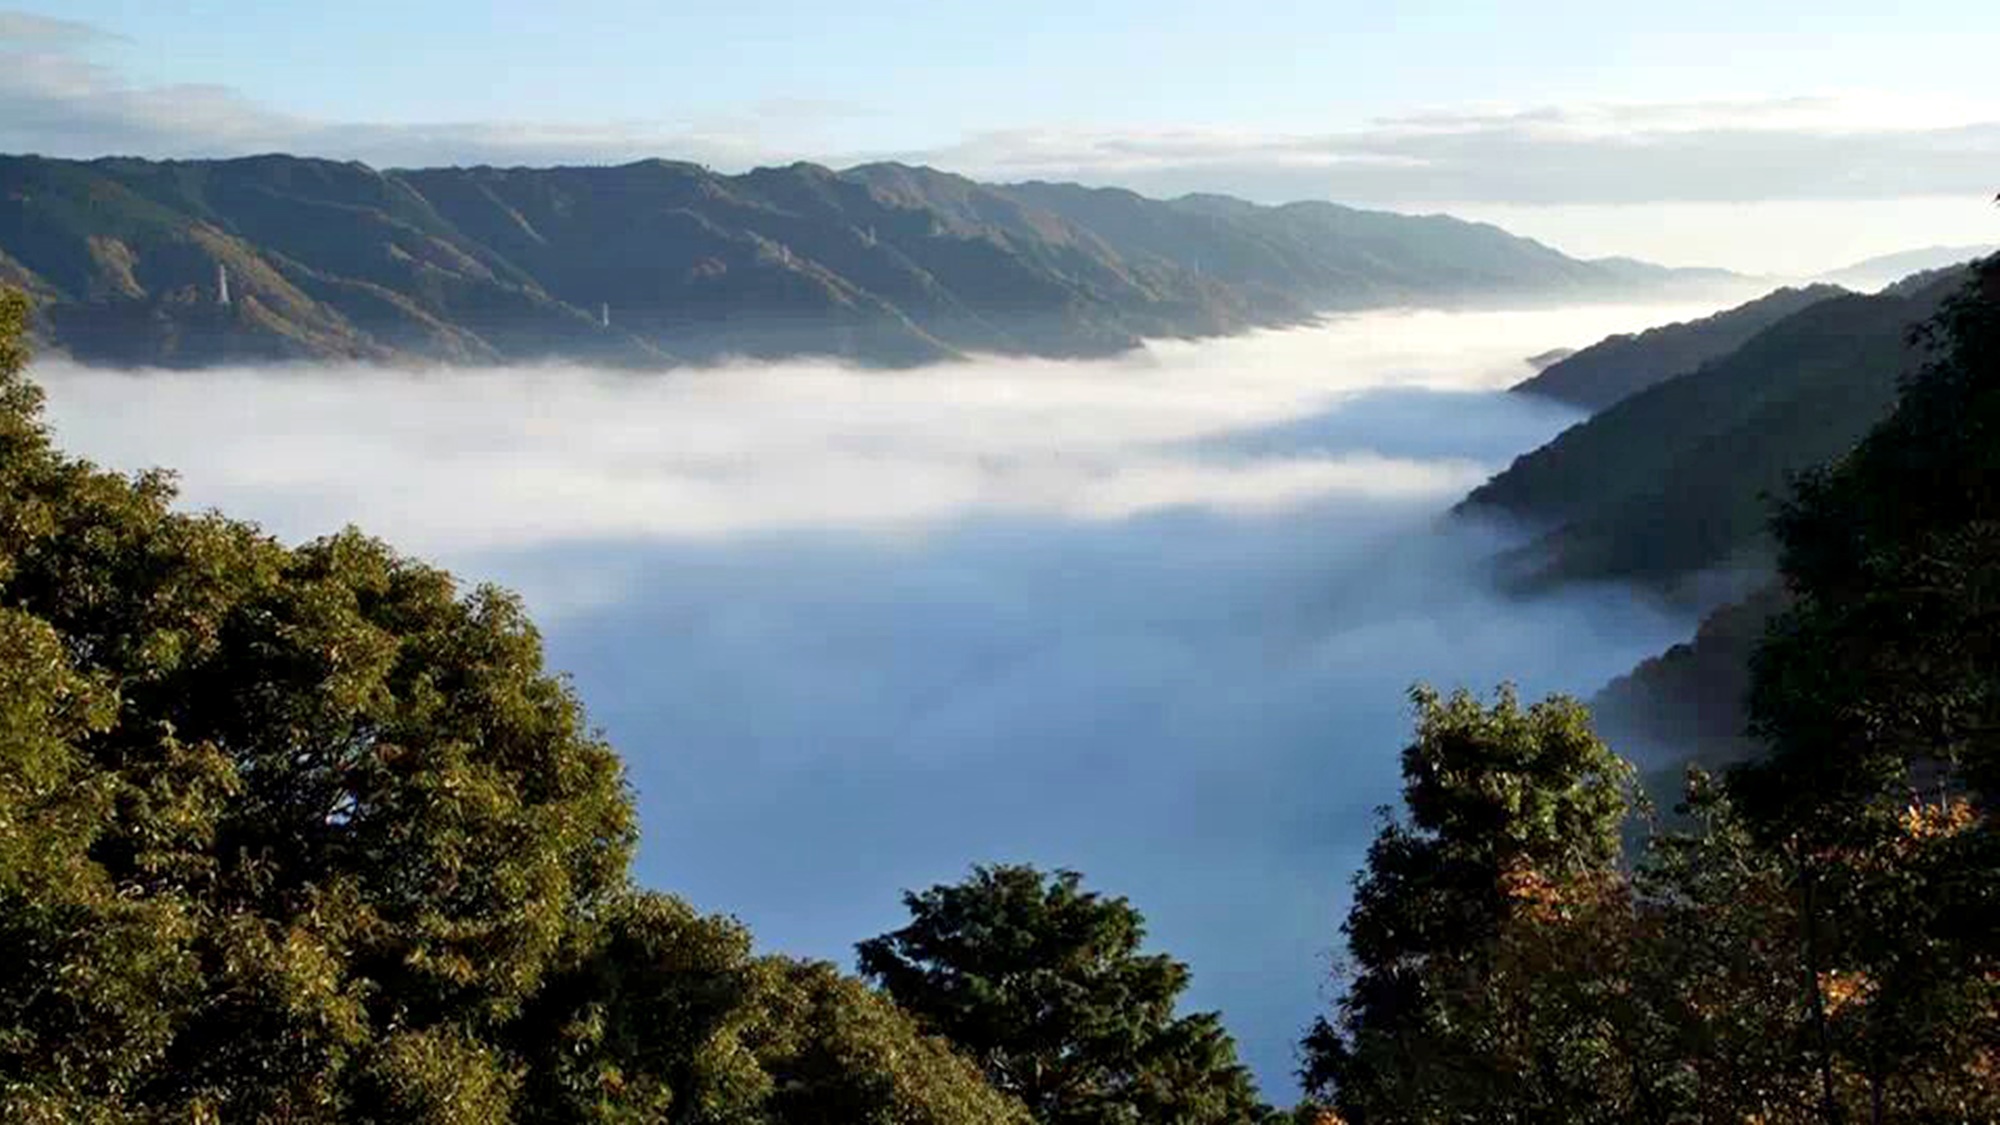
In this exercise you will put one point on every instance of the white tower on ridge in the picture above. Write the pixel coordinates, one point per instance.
(221, 284)
(604, 315)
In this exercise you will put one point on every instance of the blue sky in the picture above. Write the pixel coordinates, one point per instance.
(1571, 121)
(925, 72)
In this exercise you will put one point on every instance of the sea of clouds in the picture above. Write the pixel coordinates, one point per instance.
(1152, 618)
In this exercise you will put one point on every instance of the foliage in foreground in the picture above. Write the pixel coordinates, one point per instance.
(1821, 946)
(309, 835)
(1043, 983)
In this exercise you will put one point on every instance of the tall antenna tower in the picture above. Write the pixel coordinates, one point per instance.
(221, 284)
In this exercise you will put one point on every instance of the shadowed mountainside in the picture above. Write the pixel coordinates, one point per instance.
(1688, 703)
(1620, 366)
(1671, 483)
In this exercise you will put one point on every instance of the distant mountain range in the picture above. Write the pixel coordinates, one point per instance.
(659, 262)
(1874, 273)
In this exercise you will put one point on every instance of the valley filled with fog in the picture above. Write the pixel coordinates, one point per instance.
(1152, 618)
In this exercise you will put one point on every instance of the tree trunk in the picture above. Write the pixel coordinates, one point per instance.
(1877, 1088)
(1816, 996)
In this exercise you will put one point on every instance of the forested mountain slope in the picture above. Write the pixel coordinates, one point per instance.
(1672, 481)
(658, 262)
(1620, 366)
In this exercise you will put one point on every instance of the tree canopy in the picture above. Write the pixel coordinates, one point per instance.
(1043, 984)
(1875, 696)
(1514, 813)
(310, 834)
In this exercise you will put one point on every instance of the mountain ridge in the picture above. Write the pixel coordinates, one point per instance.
(659, 262)
(1620, 366)
(1884, 269)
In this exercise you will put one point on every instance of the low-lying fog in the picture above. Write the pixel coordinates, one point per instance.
(1151, 618)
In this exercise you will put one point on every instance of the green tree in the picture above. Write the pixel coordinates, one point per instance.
(1043, 984)
(1505, 869)
(1819, 945)
(666, 1015)
(336, 795)
(1886, 662)
(1875, 694)
(93, 977)
(644, 1022)
(308, 834)
(840, 1053)
(1715, 1011)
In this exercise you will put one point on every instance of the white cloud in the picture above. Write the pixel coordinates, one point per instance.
(57, 101)
(1787, 238)
(1849, 146)
(1836, 113)
(756, 449)
(50, 33)
(60, 105)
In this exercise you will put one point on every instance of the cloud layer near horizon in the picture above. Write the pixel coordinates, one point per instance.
(58, 98)
(1849, 147)
(1152, 618)
(535, 455)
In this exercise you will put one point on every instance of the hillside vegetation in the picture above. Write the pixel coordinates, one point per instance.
(1680, 480)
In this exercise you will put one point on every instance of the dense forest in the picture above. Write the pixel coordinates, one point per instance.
(308, 833)
(271, 258)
